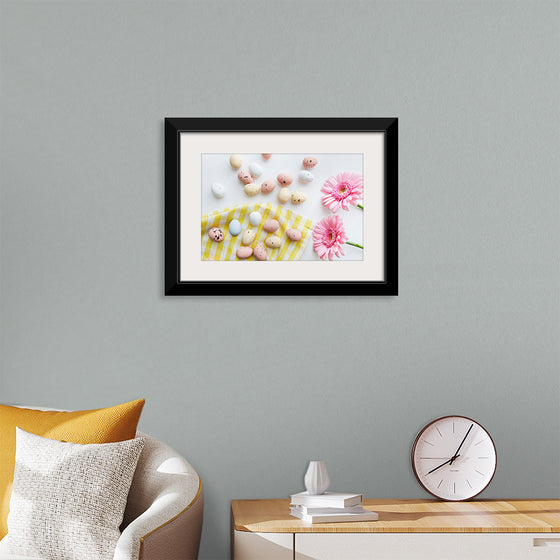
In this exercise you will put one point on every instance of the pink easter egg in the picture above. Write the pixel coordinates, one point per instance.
(270, 226)
(267, 186)
(216, 234)
(285, 179)
(266, 156)
(260, 253)
(244, 252)
(244, 176)
(293, 234)
(309, 162)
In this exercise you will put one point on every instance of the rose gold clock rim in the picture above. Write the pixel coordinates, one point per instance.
(432, 423)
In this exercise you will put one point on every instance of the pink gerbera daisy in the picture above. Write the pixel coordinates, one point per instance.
(341, 191)
(329, 237)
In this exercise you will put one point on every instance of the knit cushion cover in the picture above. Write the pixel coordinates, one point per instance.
(68, 499)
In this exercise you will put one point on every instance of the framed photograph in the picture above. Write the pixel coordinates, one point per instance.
(317, 214)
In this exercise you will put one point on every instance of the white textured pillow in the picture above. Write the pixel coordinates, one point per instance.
(68, 499)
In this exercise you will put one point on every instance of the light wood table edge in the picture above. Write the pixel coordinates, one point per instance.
(289, 524)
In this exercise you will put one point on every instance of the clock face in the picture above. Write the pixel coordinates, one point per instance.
(454, 458)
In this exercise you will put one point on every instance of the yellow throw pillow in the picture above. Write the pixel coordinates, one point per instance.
(103, 425)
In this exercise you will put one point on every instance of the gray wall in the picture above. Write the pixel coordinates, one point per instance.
(475, 329)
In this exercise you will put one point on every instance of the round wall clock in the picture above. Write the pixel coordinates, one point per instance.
(454, 458)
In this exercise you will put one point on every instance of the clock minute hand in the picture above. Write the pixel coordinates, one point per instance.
(461, 445)
(443, 464)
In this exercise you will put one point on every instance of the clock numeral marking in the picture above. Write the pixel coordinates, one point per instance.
(438, 432)
(482, 474)
(468, 482)
(454, 489)
(453, 426)
(433, 457)
(479, 442)
(429, 443)
(440, 483)
(484, 457)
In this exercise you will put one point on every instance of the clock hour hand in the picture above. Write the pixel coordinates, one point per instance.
(461, 445)
(443, 464)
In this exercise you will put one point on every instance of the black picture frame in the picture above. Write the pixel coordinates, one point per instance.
(173, 128)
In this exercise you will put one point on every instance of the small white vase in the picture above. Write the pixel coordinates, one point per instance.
(316, 478)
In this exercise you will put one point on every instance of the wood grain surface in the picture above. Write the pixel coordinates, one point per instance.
(409, 516)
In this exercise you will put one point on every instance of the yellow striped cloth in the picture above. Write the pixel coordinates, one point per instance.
(225, 251)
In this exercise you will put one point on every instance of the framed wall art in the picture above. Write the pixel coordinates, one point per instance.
(316, 214)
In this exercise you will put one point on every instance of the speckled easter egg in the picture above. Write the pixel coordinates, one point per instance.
(284, 195)
(255, 169)
(305, 176)
(235, 227)
(273, 242)
(244, 176)
(309, 162)
(216, 234)
(248, 237)
(298, 197)
(293, 234)
(266, 156)
(271, 226)
(267, 186)
(255, 218)
(251, 189)
(260, 253)
(218, 190)
(285, 179)
(244, 252)
(235, 161)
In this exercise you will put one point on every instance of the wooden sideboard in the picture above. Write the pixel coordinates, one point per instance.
(406, 529)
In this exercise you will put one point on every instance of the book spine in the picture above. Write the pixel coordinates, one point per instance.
(364, 515)
(315, 510)
(315, 502)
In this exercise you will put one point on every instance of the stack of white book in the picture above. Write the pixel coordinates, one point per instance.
(330, 507)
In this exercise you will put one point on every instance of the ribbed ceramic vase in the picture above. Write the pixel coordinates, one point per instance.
(316, 478)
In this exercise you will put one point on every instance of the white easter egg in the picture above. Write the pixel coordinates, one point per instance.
(305, 176)
(255, 218)
(255, 169)
(218, 190)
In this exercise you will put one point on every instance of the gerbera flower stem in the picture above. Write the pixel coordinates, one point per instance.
(354, 244)
(360, 206)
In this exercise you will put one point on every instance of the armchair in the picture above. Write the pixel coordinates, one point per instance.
(163, 516)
